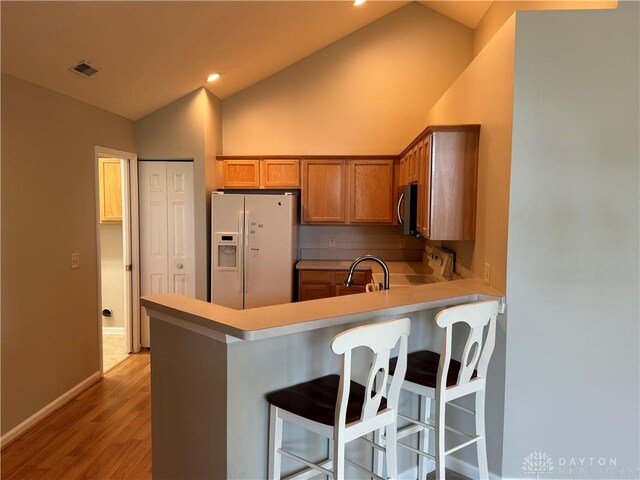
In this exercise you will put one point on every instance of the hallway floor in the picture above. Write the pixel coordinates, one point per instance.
(113, 350)
(105, 433)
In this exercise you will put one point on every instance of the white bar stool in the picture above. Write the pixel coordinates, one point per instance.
(436, 376)
(340, 409)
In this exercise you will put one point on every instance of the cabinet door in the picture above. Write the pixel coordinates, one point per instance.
(313, 291)
(323, 191)
(315, 284)
(110, 190)
(241, 173)
(410, 166)
(402, 171)
(414, 164)
(280, 174)
(371, 191)
(424, 188)
(454, 164)
(344, 290)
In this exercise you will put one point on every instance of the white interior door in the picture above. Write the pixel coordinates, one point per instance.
(167, 248)
(180, 228)
(126, 252)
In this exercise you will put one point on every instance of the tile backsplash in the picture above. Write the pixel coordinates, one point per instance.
(324, 242)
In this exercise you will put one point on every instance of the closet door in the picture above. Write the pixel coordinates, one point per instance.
(181, 265)
(167, 251)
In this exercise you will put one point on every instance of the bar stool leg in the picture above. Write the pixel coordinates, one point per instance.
(338, 455)
(329, 456)
(378, 458)
(440, 447)
(275, 443)
(481, 444)
(423, 439)
(391, 450)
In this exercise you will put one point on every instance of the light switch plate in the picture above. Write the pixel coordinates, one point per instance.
(75, 260)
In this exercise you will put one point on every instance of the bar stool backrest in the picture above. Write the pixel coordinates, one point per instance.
(380, 338)
(475, 356)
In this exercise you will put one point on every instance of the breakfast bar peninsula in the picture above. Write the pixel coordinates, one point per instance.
(211, 367)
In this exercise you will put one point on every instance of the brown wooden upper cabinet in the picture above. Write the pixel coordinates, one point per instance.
(266, 174)
(347, 191)
(110, 190)
(447, 186)
(239, 173)
(371, 191)
(280, 173)
(324, 191)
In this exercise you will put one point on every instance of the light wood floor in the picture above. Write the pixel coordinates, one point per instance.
(105, 433)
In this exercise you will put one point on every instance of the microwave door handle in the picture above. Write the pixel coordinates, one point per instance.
(239, 251)
(400, 200)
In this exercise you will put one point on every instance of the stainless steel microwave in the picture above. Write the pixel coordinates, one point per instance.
(407, 209)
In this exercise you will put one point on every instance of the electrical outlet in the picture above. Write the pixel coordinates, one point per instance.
(487, 273)
(332, 242)
(75, 260)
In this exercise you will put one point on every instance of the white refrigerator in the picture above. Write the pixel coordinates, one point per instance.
(254, 249)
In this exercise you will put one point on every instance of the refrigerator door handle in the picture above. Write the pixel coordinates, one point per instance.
(246, 262)
(239, 252)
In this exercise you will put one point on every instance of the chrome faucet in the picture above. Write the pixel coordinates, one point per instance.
(349, 280)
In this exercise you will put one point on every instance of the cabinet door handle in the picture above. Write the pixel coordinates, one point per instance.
(179, 266)
(400, 200)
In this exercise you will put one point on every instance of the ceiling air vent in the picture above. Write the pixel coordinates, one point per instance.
(84, 69)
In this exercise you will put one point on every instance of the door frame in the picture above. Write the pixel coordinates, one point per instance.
(130, 217)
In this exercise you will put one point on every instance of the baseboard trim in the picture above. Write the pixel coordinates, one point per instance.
(44, 412)
(113, 330)
(466, 469)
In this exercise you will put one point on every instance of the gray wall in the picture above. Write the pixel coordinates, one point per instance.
(189, 128)
(572, 333)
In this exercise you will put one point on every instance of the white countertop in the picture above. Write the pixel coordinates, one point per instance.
(285, 319)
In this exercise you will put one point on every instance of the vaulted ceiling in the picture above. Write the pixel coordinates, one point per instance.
(150, 53)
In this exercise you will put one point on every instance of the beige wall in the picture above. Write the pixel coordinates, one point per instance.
(111, 273)
(483, 94)
(500, 11)
(365, 94)
(49, 312)
(187, 128)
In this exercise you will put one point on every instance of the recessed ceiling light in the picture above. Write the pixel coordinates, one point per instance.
(357, 3)
(213, 77)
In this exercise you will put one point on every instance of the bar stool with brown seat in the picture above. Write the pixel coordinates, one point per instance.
(340, 409)
(437, 376)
